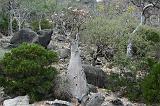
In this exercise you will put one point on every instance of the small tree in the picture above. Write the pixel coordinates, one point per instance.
(27, 70)
(150, 85)
(70, 21)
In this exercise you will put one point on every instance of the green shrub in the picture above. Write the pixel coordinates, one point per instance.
(106, 30)
(151, 85)
(142, 50)
(4, 23)
(151, 34)
(116, 33)
(27, 70)
(145, 89)
(45, 24)
(128, 85)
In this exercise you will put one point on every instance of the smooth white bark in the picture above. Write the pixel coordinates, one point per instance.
(130, 45)
(75, 74)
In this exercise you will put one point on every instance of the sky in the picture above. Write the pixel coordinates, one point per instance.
(99, 0)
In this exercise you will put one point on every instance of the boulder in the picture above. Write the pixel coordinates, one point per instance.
(5, 42)
(117, 102)
(17, 101)
(60, 88)
(59, 103)
(95, 76)
(51, 45)
(45, 32)
(24, 35)
(60, 38)
(92, 88)
(1, 35)
(64, 53)
(96, 100)
(44, 37)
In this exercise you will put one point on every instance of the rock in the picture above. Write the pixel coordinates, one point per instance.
(117, 102)
(61, 38)
(1, 35)
(51, 45)
(45, 32)
(96, 100)
(5, 42)
(17, 101)
(95, 76)
(44, 37)
(64, 53)
(60, 88)
(92, 88)
(24, 35)
(59, 103)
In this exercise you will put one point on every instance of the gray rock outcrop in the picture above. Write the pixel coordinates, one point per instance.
(24, 35)
(44, 37)
(95, 76)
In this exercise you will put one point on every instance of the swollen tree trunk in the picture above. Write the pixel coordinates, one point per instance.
(39, 24)
(19, 21)
(77, 80)
(76, 76)
(19, 25)
(129, 49)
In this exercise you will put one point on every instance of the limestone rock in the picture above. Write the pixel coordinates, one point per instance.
(117, 102)
(95, 76)
(92, 88)
(64, 53)
(61, 38)
(60, 88)
(96, 100)
(44, 37)
(17, 101)
(5, 42)
(24, 35)
(1, 35)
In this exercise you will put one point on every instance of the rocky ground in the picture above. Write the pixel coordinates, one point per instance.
(61, 44)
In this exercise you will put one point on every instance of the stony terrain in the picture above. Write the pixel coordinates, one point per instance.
(61, 44)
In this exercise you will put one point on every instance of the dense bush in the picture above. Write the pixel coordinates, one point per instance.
(45, 24)
(151, 85)
(150, 34)
(102, 29)
(145, 44)
(116, 33)
(143, 89)
(27, 70)
(128, 86)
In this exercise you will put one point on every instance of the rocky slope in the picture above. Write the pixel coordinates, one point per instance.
(95, 74)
